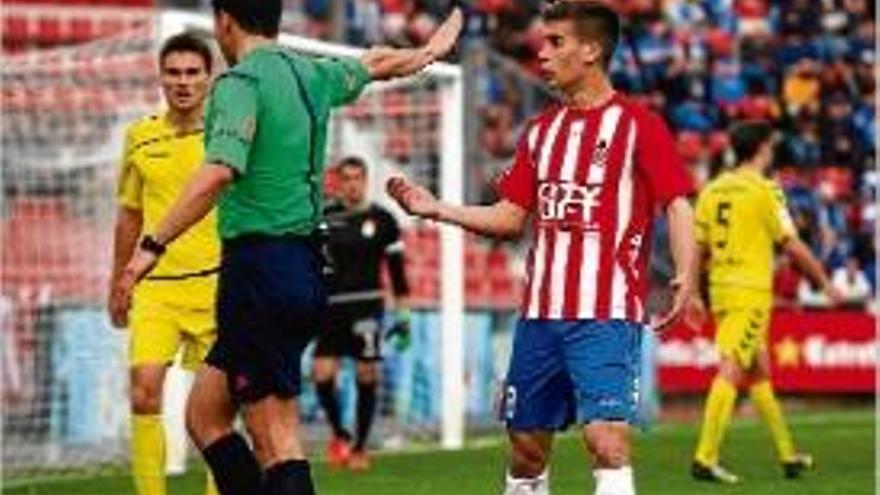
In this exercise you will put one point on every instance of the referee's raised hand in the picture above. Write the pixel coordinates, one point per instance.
(445, 36)
(383, 62)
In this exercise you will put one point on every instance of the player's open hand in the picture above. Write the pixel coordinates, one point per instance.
(137, 268)
(695, 313)
(414, 199)
(834, 295)
(683, 291)
(117, 307)
(445, 36)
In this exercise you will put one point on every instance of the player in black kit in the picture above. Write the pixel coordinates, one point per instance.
(362, 235)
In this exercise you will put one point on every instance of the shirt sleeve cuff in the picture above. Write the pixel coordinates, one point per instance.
(229, 158)
(511, 194)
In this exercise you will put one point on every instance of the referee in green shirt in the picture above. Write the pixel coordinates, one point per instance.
(265, 136)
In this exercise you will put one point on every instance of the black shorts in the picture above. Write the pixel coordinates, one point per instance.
(351, 330)
(270, 298)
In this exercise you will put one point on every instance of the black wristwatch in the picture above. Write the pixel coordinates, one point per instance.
(151, 245)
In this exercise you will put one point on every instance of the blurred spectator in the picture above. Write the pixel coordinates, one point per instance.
(832, 225)
(852, 283)
(727, 87)
(654, 48)
(810, 296)
(801, 86)
(864, 119)
(802, 147)
(799, 17)
(840, 146)
(497, 134)
(364, 21)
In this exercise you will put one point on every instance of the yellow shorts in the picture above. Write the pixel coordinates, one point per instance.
(159, 330)
(742, 320)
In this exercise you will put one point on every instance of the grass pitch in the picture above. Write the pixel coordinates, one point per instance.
(842, 443)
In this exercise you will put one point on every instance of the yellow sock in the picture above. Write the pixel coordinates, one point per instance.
(210, 487)
(767, 405)
(716, 417)
(148, 454)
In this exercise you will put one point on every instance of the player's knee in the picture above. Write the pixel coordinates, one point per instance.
(610, 451)
(202, 428)
(367, 376)
(146, 398)
(527, 460)
(272, 444)
(195, 427)
(324, 375)
(261, 445)
(730, 369)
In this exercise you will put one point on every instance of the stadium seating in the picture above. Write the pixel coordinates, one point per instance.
(40, 239)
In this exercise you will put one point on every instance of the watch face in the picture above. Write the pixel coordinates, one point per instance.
(150, 244)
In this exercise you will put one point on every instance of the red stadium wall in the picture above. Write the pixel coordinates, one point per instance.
(811, 352)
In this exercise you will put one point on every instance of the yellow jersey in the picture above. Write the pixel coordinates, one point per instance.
(739, 217)
(158, 161)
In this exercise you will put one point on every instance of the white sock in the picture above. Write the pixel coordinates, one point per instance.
(527, 486)
(615, 481)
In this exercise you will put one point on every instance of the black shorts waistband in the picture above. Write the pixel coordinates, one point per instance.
(256, 239)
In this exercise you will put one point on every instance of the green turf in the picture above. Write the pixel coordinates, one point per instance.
(843, 444)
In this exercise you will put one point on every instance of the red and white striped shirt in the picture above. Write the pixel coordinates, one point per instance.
(593, 178)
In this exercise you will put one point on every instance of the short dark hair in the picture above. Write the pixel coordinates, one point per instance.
(748, 137)
(353, 161)
(261, 17)
(189, 43)
(593, 20)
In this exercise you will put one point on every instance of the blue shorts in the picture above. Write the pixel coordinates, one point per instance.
(270, 299)
(565, 371)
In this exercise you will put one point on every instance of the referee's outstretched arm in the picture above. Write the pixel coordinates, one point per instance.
(386, 62)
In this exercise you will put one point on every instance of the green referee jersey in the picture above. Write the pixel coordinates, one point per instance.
(267, 119)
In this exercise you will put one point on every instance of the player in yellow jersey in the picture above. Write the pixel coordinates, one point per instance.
(741, 216)
(174, 307)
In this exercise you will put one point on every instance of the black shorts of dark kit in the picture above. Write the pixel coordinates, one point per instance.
(353, 330)
(270, 300)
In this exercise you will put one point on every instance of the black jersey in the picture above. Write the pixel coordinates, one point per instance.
(359, 241)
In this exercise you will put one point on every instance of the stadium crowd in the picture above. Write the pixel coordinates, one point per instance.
(807, 66)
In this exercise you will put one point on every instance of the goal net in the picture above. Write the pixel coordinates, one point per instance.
(64, 374)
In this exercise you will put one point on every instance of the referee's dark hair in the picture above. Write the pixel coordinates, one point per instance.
(260, 17)
(188, 43)
(593, 20)
(353, 161)
(747, 137)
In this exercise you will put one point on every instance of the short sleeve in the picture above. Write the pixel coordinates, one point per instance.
(343, 78)
(130, 183)
(703, 219)
(231, 122)
(518, 183)
(778, 218)
(658, 159)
